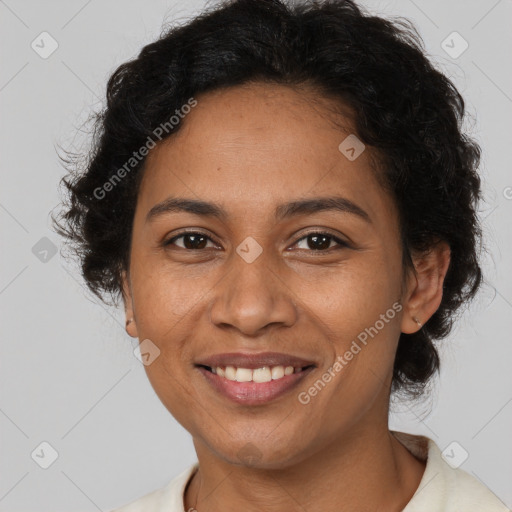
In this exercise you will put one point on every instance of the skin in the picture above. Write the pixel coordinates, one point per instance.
(249, 149)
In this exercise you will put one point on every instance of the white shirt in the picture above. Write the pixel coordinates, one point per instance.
(442, 488)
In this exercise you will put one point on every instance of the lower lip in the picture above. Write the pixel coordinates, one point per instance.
(254, 393)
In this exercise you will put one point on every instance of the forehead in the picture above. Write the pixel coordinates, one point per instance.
(266, 142)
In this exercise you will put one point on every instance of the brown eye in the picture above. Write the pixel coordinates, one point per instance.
(320, 241)
(191, 241)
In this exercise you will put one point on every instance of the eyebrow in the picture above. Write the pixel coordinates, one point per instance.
(283, 211)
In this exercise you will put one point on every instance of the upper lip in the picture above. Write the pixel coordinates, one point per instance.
(254, 360)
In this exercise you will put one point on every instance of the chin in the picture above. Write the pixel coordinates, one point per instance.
(264, 454)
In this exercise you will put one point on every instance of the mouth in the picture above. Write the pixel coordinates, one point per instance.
(254, 386)
(259, 375)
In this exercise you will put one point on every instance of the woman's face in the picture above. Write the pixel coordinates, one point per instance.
(253, 281)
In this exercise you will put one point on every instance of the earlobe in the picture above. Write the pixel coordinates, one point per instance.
(425, 290)
(131, 326)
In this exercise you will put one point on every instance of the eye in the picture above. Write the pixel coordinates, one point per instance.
(315, 241)
(320, 241)
(191, 241)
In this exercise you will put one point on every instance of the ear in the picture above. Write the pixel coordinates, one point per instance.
(131, 324)
(424, 290)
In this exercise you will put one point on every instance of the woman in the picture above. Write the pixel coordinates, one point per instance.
(284, 201)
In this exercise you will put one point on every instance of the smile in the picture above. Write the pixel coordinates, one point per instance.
(264, 374)
(254, 386)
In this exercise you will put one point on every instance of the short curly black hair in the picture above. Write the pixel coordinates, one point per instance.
(410, 113)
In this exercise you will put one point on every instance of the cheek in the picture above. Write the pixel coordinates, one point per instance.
(164, 297)
(167, 306)
(358, 309)
(351, 297)
(171, 388)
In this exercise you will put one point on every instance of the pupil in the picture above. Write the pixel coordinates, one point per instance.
(324, 244)
(194, 244)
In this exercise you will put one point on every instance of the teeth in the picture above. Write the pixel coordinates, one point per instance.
(243, 375)
(230, 372)
(277, 372)
(263, 374)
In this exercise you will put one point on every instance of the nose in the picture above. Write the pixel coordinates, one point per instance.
(251, 297)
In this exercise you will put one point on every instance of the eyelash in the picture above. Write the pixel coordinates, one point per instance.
(341, 243)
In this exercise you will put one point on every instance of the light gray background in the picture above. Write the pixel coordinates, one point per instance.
(68, 373)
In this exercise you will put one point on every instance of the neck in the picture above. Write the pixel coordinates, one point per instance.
(368, 470)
